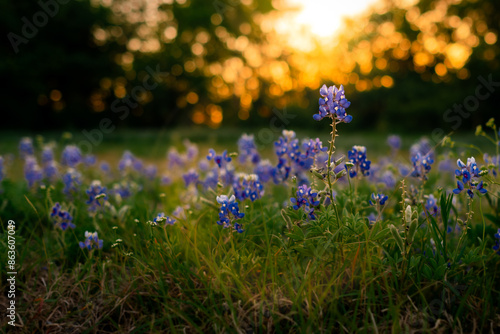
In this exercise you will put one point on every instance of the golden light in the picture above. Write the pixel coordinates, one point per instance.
(320, 18)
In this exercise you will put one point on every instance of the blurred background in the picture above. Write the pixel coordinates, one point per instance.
(216, 64)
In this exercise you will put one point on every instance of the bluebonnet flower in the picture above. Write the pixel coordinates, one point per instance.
(220, 160)
(161, 218)
(89, 160)
(423, 146)
(388, 179)
(122, 189)
(71, 156)
(496, 247)
(431, 206)
(166, 180)
(264, 170)
(191, 177)
(61, 218)
(26, 147)
(372, 218)
(179, 212)
(247, 149)
(287, 150)
(211, 179)
(357, 156)
(394, 142)
(493, 163)
(174, 158)
(421, 165)
(247, 186)
(150, 172)
(469, 173)
(47, 154)
(91, 241)
(306, 198)
(378, 199)
(311, 148)
(32, 171)
(71, 180)
(129, 162)
(50, 170)
(96, 192)
(333, 104)
(105, 167)
(229, 212)
(191, 150)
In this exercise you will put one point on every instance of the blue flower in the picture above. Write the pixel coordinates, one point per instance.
(71, 156)
(47, 154)
(26, 147)
(394, 142)
(191, 177)
(496, 247)
(50, 170)
(161, 218)
(220, 160)
(247, 149)
(468, 173)
(307, 199)
(247, 187)
(72, 181)
(91, 241)
(89, 160)
(229, 212)
(333, 104)
(150, 172)
(357, 156)
(493, 163)
(61, 218)
(32, 171)
(421, 165)
(264, 171)
(96, 192)
(431, 206)
(378, 199)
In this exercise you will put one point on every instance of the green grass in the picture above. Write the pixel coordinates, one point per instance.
(284, 274)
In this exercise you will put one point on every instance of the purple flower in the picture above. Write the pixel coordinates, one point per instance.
(469, 173)
(220, 160)
(333, 104)
(71, 156)
(191, 177)
(394, 142)
(91, 241)
(71, 180)
(421, 165)
(247, 187)
(89, 160)
(229, 212)
(496, 247)
(357, 157)
(431, 206)
(247, 149)
(161, 218)
(61, 219)
(47, 154)
(32, 171)
(307, 199)
(264, 170)
(96, 192)
(26, 147)
(378, 199)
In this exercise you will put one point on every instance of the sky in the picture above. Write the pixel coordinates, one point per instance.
(319, 18)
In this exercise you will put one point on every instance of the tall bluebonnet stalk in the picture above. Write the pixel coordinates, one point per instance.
(333, 105)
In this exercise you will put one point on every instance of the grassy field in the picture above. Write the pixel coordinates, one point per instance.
(404, 264)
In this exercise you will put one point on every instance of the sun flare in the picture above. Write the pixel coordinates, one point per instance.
(318, 18)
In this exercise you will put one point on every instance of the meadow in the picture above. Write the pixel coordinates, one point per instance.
(222, 234)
